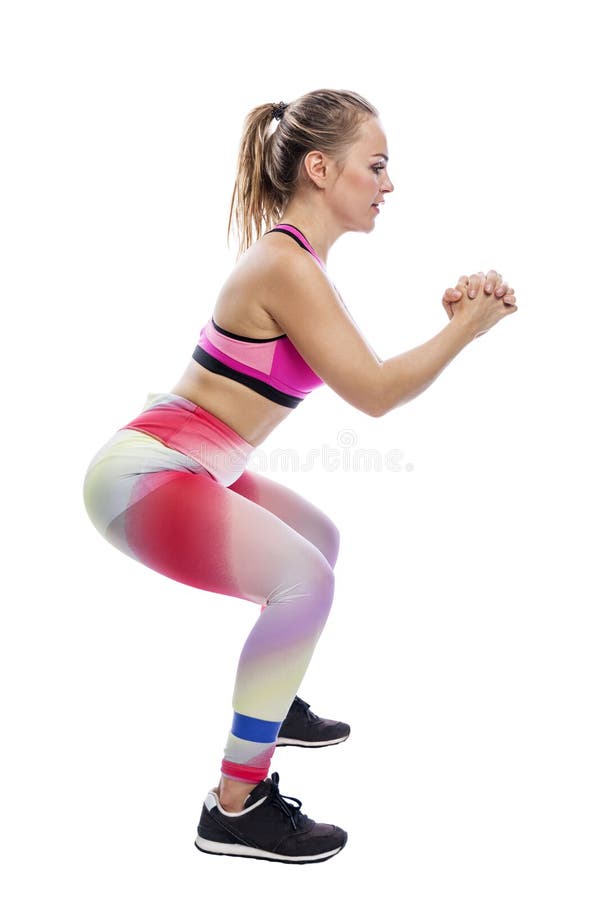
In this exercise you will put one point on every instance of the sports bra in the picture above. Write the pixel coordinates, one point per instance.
(270, 366)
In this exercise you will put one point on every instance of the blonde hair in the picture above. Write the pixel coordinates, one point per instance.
(269, 167)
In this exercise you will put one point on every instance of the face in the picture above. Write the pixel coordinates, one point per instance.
(364, 180)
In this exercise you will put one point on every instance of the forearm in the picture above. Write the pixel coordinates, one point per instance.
(404, 377)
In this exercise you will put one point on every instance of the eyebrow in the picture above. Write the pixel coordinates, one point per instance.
(385, 156)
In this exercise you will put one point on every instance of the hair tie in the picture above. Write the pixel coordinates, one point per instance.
(277, 110)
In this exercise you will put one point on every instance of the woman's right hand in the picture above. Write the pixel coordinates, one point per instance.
(492, 300)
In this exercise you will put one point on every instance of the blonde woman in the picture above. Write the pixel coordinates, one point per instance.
(171, 487)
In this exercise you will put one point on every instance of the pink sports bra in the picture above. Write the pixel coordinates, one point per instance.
(270, 366)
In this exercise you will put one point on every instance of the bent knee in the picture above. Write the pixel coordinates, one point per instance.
(327, 539)
(309, 581)
(320, 582)
(333, 544)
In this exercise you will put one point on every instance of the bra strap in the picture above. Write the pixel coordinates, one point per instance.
(297, 235)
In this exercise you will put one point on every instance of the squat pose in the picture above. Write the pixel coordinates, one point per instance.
(171, 487)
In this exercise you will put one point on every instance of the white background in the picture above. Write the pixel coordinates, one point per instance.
(462, 646)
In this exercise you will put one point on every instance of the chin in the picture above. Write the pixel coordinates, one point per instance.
(360, 227)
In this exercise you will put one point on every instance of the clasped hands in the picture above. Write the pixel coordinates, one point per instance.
(469, 287)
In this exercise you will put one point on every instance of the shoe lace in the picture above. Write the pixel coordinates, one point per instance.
(292, 812)
(305, 706)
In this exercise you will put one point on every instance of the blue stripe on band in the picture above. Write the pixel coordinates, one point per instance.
(260, 730)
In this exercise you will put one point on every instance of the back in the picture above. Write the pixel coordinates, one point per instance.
(269, 366)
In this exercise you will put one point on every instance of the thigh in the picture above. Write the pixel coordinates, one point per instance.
(300, 514)
(196, 531)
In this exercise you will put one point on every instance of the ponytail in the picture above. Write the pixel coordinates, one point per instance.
(269, 167)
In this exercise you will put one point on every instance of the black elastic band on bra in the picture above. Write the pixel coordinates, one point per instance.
(215, 365)
(240, 337)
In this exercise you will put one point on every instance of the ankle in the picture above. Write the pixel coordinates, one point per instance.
(233, 800)
(231, 807)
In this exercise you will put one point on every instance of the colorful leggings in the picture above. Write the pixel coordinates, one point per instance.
(171, 490)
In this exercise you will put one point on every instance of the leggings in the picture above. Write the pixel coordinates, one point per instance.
(171, 490)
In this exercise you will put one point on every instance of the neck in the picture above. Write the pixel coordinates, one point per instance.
(316, 225)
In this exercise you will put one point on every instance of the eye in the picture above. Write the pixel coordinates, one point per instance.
(378, 168)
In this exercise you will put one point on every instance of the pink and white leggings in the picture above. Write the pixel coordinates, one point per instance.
(171, 490)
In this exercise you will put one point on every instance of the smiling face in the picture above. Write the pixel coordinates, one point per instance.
(363, 180)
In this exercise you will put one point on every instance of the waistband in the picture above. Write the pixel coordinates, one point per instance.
(189, 428)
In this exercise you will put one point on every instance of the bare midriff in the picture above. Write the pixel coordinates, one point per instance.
(249, 414)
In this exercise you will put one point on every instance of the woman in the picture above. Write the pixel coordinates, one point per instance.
(171, 488)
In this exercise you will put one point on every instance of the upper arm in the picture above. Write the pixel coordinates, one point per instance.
(308, 309)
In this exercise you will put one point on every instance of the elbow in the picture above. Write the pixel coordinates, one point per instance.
(377, 406)
(368, 406)
(369, 397)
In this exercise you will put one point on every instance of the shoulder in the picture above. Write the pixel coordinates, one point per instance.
(275, 249)
(275, 267)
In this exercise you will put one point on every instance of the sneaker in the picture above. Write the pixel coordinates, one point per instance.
(303, 728)
(267, 828)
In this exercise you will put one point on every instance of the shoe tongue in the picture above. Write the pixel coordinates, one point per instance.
(261, 790)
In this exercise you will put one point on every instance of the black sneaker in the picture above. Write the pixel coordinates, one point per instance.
(267, 828)
(303, 728)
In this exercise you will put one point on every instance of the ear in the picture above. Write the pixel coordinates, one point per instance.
(318, 166)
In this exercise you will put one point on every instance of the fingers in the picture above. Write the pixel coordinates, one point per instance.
(495, 285)
(491, 280)
(474, 283)
(458, 292)
(492, 283)
(447, 301)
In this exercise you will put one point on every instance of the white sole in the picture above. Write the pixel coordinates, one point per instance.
(292, 742)
(255, 853)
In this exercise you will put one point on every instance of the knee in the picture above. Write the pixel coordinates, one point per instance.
(328, 540)
(309, 585)
(334, 544)
(322, 584)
